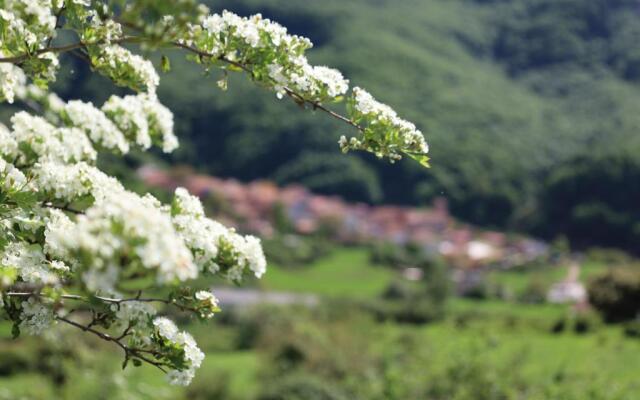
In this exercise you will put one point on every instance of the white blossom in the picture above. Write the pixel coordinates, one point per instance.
(116, 56)
(380, 120)
(8, 144)
(49, 143)
(11, 80)
(205, 237)
(121, 222)
(35, 317)
(166, 328)
(193, 356)
(133, 311)
(293, 71)
(11, 177)
(71, 182)
(30, 262)
(208, 303)
(143, 120)
(97, 126)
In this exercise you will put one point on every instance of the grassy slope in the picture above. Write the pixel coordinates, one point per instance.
(347, 272)
(344, 273)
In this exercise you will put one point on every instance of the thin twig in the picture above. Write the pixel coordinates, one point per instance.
(62, 49)
(104, 299)
(117, 302)
(129, 351)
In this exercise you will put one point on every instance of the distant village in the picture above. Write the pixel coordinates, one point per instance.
(256, 206)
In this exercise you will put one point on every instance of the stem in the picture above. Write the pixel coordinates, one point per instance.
(77, 297)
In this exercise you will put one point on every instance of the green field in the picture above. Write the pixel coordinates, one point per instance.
(518, 281)
(347, 272)
(499, 346)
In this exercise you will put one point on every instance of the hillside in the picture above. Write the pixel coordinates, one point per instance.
(512, 96)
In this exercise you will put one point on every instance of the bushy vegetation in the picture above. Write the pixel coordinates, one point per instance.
(290, 250)
(616, 294)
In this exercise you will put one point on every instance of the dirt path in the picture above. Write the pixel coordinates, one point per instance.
(248, 297)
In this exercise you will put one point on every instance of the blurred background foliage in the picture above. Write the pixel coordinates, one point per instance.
(530, 108)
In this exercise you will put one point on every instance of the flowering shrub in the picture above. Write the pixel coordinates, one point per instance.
(76, 247)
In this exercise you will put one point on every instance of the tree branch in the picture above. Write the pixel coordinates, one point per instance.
(108, 299)
(128, 351)
(133, 39)
(291, 93)
(62, 49)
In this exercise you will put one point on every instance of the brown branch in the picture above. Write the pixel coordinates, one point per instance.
(319, 106)
(128, 351)
(49, 49)
(63, 208)
(50, 205)
(108, 299)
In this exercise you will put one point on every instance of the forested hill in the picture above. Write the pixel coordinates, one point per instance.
(531, 109)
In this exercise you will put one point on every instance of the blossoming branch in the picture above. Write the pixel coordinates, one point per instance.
(73, 240)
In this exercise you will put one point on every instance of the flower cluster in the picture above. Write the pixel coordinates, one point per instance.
(124, 67)
(207, 303)
(26, 23)
(174, 342)
(39, 141)
(95, 124)
(11, 79)
(143, 120)
(24, 26)
(11, 178)
(30, 263)
(132, 231)
(67, 184)
(214, 247)
(276, 58)
(36, 317)
(383, 132)
(140, 119)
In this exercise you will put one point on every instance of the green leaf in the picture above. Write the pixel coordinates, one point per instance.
(165, 64)
(423, 159)
(15, 330)
(234, 68)
(24, 199)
